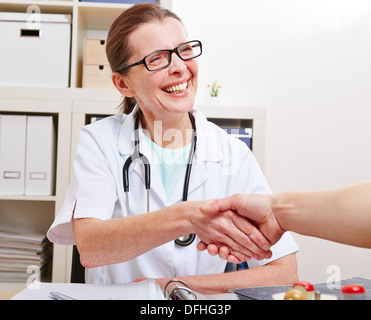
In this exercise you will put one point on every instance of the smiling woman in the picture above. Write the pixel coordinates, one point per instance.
(118, 50)
(155, 67)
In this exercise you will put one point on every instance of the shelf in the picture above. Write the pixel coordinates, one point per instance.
(63, 96)
(88, 19)
(24, 6)
(103, 5)
(98, 16)
(9, 289)
(27, 198)
(230, 112)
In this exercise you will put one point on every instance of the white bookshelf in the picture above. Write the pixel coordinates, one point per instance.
(35, 213)
(89, 19)
(70, 108)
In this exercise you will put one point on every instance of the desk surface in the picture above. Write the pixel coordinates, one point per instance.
(265, 293)
(7, 295)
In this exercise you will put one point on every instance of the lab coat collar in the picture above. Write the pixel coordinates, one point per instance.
(205, 151)
(126, 137)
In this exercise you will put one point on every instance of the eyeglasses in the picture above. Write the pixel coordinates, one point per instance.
(162, 58)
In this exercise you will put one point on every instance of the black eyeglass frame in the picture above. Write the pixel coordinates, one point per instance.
(170, 51)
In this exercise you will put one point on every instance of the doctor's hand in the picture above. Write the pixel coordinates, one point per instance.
(230, 233)
(257, 208)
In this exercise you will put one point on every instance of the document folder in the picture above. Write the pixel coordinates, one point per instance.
(40, 156)
(12, 154)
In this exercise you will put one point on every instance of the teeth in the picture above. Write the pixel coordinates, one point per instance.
(177, 89)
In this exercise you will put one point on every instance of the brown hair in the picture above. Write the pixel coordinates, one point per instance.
(118, 50)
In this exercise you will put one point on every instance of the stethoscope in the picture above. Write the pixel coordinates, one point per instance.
(137, 155)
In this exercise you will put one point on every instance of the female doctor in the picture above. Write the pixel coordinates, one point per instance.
(154, 68)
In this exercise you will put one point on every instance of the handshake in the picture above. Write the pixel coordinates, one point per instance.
(259, 221)
(252, 217)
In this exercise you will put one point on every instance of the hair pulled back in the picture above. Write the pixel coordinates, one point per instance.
(118, 49)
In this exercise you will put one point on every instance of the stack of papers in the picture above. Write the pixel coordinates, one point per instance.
(143, 290)
(22, 255)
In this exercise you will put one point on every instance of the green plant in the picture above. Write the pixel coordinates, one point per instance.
(214, 89)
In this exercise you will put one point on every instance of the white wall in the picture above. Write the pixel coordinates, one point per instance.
(309, 63)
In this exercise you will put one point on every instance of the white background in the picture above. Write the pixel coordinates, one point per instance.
(308, 62)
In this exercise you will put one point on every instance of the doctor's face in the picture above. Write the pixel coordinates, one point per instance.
(171, 89)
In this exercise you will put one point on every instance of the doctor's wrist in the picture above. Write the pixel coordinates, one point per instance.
(191, 215)
(185, 215)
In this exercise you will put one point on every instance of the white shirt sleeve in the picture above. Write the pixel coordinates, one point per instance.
(285, 246)
(92, 191)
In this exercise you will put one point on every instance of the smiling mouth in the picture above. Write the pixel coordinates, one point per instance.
(180, 88)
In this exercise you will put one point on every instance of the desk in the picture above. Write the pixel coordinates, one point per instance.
(7, 295)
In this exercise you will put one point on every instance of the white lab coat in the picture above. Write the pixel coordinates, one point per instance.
(222, 166)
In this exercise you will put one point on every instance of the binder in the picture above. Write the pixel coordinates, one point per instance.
(244, 134)
(40, 156)
(12, 154)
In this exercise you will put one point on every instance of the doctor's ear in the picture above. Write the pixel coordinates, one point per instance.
(121, 85)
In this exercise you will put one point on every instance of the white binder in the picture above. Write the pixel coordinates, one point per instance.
(40, 156)
(12, 154)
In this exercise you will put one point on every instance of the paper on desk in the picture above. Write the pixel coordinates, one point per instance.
(144, 290)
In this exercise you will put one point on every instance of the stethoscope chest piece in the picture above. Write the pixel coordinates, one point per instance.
(185, 240)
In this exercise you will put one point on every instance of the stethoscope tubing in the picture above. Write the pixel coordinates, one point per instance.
(185, 240)
(147, 168)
